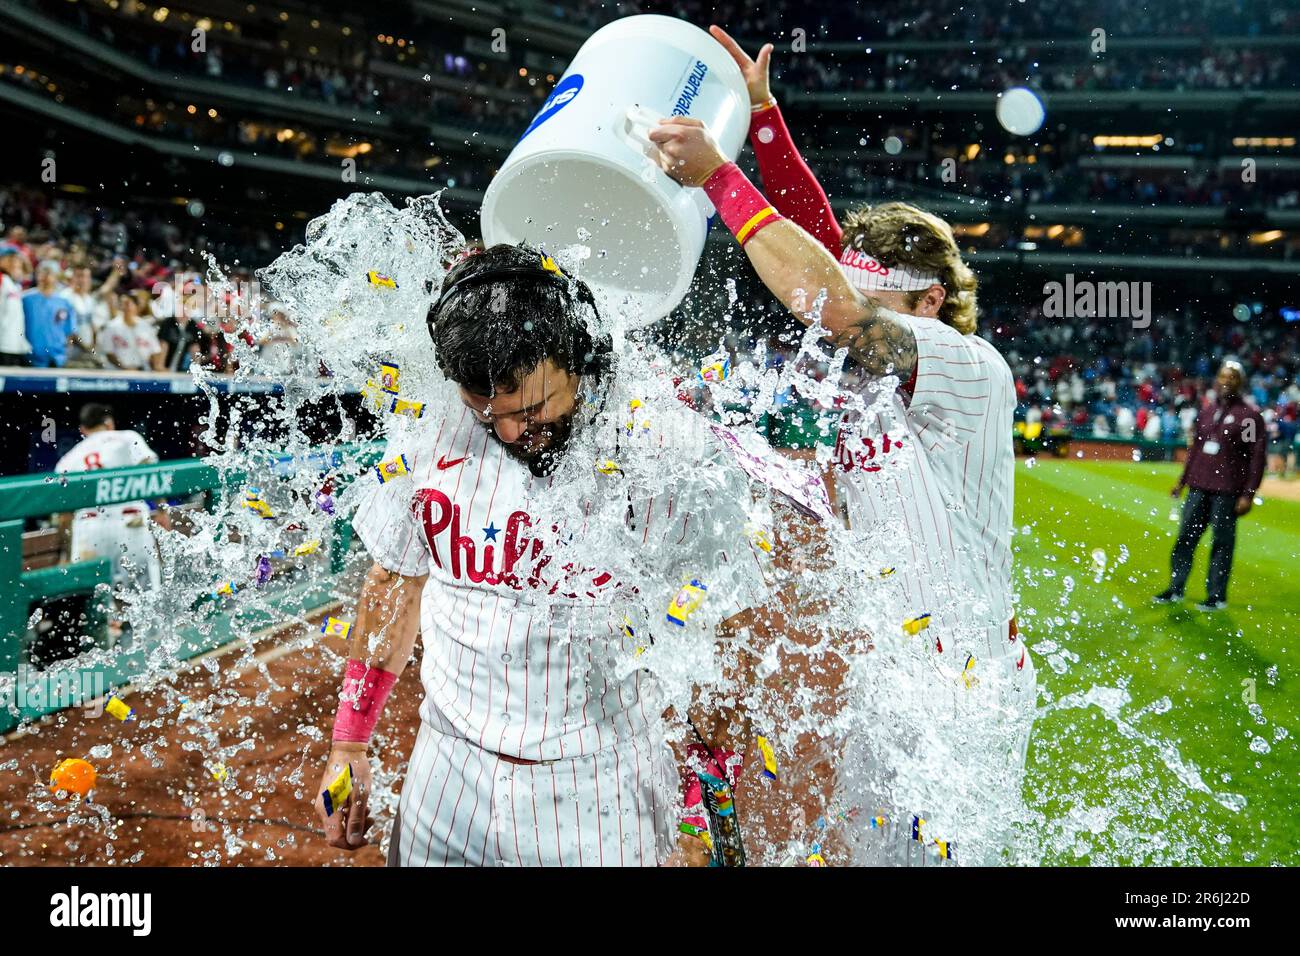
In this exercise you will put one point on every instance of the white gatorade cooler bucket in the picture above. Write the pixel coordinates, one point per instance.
(581, 172)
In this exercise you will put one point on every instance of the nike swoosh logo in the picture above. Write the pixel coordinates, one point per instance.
(444, 464)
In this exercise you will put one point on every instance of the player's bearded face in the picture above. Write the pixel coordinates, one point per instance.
(535, 421)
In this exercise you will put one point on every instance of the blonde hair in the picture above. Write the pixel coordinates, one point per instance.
(900, 234)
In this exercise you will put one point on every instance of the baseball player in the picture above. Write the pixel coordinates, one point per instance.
(120, 532)
(902, 303)
(532, 750)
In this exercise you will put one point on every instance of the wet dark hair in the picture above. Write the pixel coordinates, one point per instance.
(94, 414)
(491, 333)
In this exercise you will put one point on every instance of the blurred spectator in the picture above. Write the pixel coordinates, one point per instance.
(131, 342)
(14, 347)
(47, 318)
(92, 314)
(182, 340)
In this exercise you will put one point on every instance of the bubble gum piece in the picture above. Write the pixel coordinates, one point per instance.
(608, 466)
(915, 625)
(307, 547)
(380, 281)
(402, 406)
(769, 758)
(686, 602)
(761, 538)
(334, 627)
(716, 371)
(392, 468)
(73, 775)
(338, 791)
(116, 707)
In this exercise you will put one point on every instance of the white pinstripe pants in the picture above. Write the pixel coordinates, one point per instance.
(464, 806)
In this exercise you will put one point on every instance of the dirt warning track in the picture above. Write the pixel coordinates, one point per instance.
(157, 804)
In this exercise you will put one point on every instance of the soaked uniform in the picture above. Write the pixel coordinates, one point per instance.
(937, 463)
(531, 751)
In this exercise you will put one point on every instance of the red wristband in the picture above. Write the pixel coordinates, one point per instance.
(365, 691)
(742, 207)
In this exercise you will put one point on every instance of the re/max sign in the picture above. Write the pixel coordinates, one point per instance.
(133, 487)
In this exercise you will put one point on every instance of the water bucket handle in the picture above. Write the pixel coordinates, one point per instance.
(637, 123)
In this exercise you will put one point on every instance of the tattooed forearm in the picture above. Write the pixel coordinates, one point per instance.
(879, 342)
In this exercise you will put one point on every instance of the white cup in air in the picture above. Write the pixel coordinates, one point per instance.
(581, 172)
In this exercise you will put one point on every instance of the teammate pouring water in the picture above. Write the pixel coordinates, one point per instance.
(902, 303)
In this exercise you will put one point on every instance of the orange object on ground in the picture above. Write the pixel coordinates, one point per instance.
(73, 775)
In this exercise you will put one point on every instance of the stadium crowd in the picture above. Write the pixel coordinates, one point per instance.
(1105, 378)
(941, 19)
(83, 287)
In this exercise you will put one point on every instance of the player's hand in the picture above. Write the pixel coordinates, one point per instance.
(1244, 504)
(687, 151)
(346, 827)
(689, 851)
(1176, 492)
(754, 70)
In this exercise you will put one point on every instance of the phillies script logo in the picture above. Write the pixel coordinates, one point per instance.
(516, 560)
(861, 454)
(860, 260)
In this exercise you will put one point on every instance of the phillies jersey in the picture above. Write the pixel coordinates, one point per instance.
(952, 489)
(517, 649)
(109, 449)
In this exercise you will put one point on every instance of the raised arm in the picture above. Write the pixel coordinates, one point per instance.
(787, 179)
(794, 266)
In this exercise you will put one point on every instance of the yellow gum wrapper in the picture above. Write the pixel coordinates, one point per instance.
(338, 791)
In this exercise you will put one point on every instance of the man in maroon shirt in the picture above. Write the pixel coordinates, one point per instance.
(1224, 467)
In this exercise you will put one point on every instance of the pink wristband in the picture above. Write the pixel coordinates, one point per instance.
(742, 207)
(365, 691)
(723, 764)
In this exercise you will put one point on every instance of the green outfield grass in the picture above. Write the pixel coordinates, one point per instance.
(1126, 792)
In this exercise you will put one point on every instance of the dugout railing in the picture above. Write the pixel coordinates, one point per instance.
(31, 692)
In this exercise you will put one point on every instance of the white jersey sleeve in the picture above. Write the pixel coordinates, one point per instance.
(958, 378)
(387, 524)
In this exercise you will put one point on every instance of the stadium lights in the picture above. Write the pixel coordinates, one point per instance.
(1263, 141)
(1128, 142)
(1263, 238)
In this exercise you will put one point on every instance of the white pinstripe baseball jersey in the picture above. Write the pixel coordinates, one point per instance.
(953, 492)
(516, 648)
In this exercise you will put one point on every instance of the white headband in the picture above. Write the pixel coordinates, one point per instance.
(868, 275)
